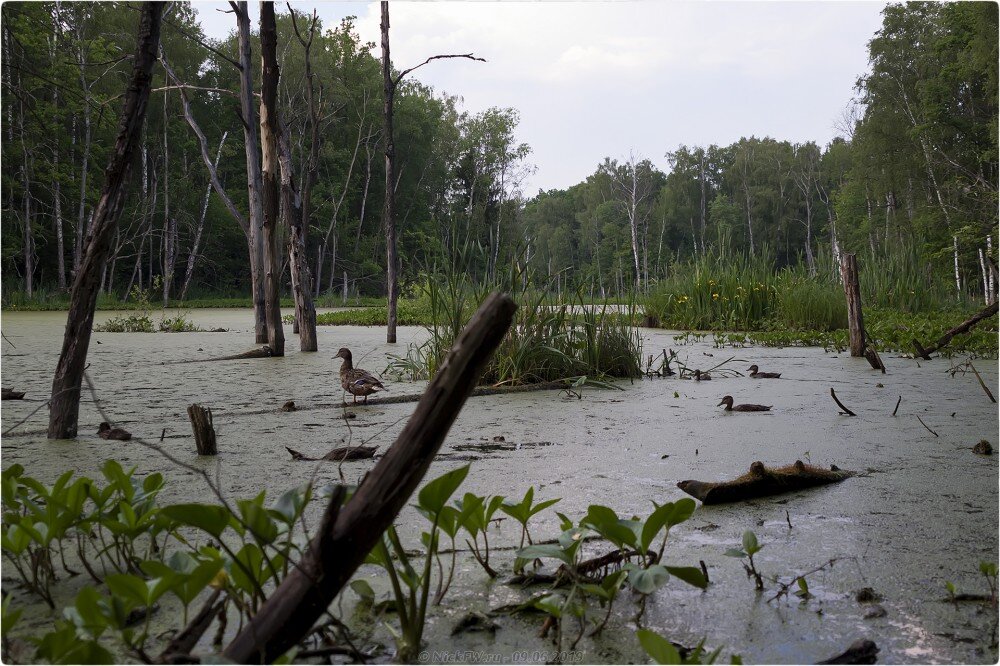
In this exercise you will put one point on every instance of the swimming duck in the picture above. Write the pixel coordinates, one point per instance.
(355, 380)
(700, 376)
(728, 402)
(762, 375)
(105, 431)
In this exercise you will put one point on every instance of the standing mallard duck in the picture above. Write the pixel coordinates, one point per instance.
(355, 380)
(756, 374)
(728, 402)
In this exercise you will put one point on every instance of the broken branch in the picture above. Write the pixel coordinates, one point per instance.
(844, 410)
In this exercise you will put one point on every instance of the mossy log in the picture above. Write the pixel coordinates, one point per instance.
(762, 481)
(964, 327)
(339, 454)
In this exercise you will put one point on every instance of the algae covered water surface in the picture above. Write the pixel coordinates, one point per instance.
(922, 512)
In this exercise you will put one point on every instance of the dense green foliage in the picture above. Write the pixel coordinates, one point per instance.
(913, 178)
(141, 554)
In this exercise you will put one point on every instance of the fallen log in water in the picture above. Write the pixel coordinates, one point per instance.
(339, 454)
(260, 352)
(10, 394)
(925, 353)
(480, 391)
(762, 481)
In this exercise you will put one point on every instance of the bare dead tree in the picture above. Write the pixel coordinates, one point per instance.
(390, 85)
(269, 132)
(65, 402)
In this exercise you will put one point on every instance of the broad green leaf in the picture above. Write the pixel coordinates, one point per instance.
(127, 586)
(207, 517)
(363, 589)
(657, 647)
(436, 494)
(544, 550)
(690, 575)
(750, 544)
(646, 581)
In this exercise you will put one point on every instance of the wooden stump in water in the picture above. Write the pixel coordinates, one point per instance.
(204, 430)
(852, 289)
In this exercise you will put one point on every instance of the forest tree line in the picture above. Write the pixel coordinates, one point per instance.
(916, 166)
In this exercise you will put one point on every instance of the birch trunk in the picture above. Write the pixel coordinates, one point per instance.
(196, 244)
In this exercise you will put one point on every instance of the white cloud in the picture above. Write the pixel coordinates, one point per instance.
(600, 78)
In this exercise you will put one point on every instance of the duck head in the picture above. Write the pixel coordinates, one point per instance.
(753, 368)
(727, 401)
(104, 427)
(343, 353)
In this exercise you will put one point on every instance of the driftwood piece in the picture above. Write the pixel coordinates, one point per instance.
(986, 388)
(10, 394)
(964, 327)
(844, 410)
(204, 430)
(762, 481)
(874, 359)
(339, 454)
(861, 651)
(346, 535)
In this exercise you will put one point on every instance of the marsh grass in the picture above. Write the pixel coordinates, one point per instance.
(736, 292)
(547, 342)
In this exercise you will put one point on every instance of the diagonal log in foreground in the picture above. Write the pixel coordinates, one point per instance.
(347, 534)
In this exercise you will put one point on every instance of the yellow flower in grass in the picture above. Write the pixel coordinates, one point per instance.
(715, 297)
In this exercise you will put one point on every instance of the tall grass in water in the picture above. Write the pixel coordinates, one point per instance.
(904, 280)
(545, 343)
(740, 292)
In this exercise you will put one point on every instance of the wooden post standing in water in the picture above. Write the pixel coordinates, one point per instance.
(204, 430)
(852, 288)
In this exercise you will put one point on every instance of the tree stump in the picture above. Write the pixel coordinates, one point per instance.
(852, 289)
(204, 430)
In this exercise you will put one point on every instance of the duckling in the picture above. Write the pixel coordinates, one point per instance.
(105, 431)
(756, 374)
(355, 380)
(728, 402)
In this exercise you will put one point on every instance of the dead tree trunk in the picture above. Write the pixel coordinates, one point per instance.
(196, 243)
(852, 288)
(269, 131)
(64, 405)
(389, 205)
(299, 218)
(254, 177)
(389, 85)
(346, 535)
(204, 430)
(295, 221)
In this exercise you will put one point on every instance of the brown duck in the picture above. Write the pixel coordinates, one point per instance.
(105, 431)
(700, 376)
(728, 402)
(355, 380)
(756, 374)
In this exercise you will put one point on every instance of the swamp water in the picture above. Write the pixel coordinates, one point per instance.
(924, 512)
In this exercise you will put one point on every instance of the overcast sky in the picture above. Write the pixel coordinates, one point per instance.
(599, 79)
